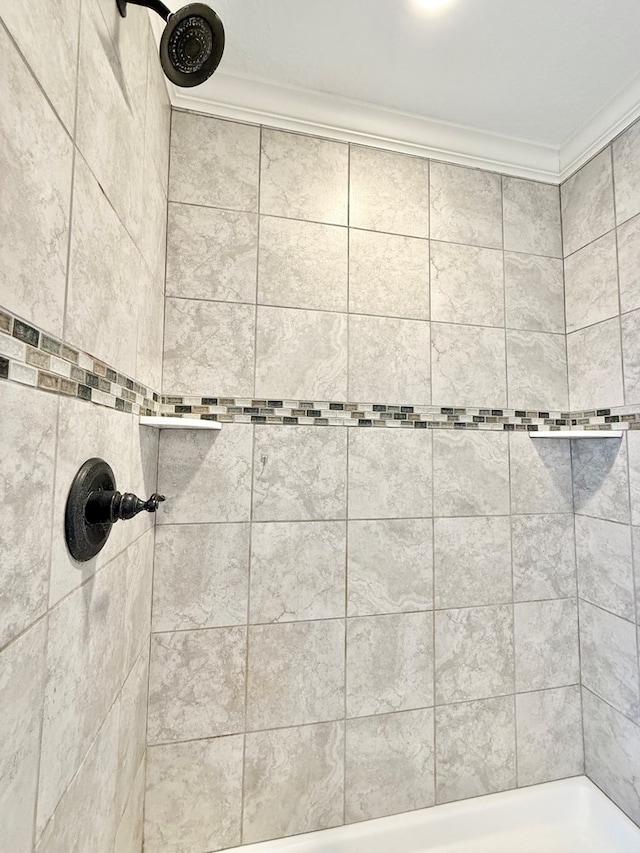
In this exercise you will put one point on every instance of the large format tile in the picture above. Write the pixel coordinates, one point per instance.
(628, 270)
(27, 458)
(633, 452)
(470, 473)
(36, 156)
(591, 283)
(194, 796)
(132, 729)
(389, 192)
(546, 640)
(389, 473)
(211, 254)
(467, 285)
(466, 206)
(129, 835)
(594, 360)
(475, 749)
(304, 177)
(388, 275)
(532, 217)
(214, 162)
(537, 371)
(293, 782)
(600, 478)
(605, 570)
(22, 677)
(300, 474)
(472, 561)
(303, 264)
(389, 663)
(205, 476)
(609, 658)
(540, 475)
(630, 328)
(468, 366)
(389, 360)
(297, 571)
(389, 566)
(549, 735)
(301, 354)
(534, 293)
(295, 674)
(587, 203)
(208, 348)
(389, 764)
(626, 153)
(544, 562)
(200, 576)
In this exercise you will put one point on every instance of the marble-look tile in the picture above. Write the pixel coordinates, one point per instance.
(389, 663)
(605, 570)
(534, 293)
(85, 636)
(470, 473)
(200, 576)
(633, 452)
(612, 753)
(303, 264)
(473, 653)
(609, 658)
(467, 284)
(537, 371)
(600, 478)
(475, 749)
(544, 561)
(389, 192)
(389, 473)
(389, 360)
(196, 684)
(27, 459)
(211, 254)
(389, 764)
(388, 275)
(129, 834)
(22, 676)
(628, 270)
(157, 120)
(190, 463)
(297, 571)
(295, 674)
(304, 177)
(136, 608)
(36, 156)
(132, 729)
(546, 640)
(587, 203)
(472, 561)
(293, 782)
(549, 735)
(468, 366)
(532, 217)
(208, 348)
(194, 796)
(595, 366)
(150, 331)
(300, 474)
(390, 566)
(466, 206)
(214, 162)
(626, 154)
(540, 475)
(630, 327)
(301, 354)
(591, 283)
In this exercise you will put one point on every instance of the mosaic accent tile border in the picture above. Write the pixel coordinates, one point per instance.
(32, 357)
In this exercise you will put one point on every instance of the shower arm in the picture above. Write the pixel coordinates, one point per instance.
(155, 5)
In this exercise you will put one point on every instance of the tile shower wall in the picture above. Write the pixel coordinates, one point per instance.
(83, 169)
(601, 218)
(349, 623)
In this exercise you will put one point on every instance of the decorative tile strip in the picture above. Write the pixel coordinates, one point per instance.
(32, 357)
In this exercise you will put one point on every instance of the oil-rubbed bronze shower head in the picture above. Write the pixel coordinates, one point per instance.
(192, 43)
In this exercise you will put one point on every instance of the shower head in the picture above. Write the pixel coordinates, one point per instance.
(192, 43)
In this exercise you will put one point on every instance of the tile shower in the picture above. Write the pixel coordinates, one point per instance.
(372, 591)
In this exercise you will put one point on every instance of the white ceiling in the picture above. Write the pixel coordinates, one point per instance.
(556, 74)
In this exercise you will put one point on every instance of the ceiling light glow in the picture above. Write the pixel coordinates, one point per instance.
(430, 5)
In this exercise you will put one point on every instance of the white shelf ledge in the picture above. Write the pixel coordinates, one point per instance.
(578, 433)
(179, 423)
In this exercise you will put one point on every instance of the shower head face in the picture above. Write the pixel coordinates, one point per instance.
(192, 45)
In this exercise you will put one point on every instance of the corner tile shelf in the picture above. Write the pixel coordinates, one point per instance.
(574, 433)
(179, 423)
